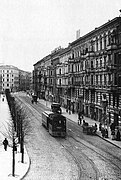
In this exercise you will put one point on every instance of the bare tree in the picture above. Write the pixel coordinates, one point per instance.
(18, 127)
(10, 134)
(23, 126)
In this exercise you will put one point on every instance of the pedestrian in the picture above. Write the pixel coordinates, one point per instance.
(79, 118)
(118, 135)
(84, 122)
(79, 121)
(96, 125)
(32, 101)
(5, 143)
(100, 126)
(103, 132)
(106, 133)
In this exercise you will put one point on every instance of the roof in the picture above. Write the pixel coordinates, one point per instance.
(96, 30)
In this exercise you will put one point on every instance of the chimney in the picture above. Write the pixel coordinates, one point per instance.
(78, 34)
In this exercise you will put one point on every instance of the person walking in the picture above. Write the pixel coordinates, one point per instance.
(79, 118)
(118, 138)
(100, 126)
(5, 143)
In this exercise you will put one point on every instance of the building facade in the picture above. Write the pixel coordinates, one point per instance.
(14, 79)
(95, 74)
(86, 76)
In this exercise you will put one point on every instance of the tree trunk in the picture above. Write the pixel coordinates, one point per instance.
(22, 155)
(13, 161)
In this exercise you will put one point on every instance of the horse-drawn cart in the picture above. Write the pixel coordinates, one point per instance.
(34, 99)
(89, 129)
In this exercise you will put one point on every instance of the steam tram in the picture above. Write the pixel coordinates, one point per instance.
(55, 123)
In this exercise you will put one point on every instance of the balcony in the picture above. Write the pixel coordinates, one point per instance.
(87, 70)
(113, 88)
(92, 87)
(110, 68)
(90, 54)
(71, 60)
(111, 47)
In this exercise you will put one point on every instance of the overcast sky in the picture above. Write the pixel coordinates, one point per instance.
(31, 29)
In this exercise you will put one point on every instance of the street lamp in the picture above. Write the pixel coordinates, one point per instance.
(104, 105)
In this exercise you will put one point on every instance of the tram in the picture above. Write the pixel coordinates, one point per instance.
(55, 123)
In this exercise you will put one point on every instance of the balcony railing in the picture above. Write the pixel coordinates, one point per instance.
(111, 47)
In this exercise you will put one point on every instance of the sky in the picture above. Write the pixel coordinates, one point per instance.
(31, 29)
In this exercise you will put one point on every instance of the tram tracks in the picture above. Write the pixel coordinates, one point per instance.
(108, 156)
(71, 151)
(75, 146)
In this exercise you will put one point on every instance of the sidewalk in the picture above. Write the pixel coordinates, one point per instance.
(6, 156)
(74, 117)
(6, 164)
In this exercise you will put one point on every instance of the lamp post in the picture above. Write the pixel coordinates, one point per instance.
(104, 105)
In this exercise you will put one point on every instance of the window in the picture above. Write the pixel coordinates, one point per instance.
(97, 45)
(72, 68)
(100, 62)
(59, 81)
(100, 79)
(96, 63)
(100, 42)
(51, 73)
(59, 71)
(7, 85)
(92, 65)
(109, 58)
(100, 97)
(113, 100)
(92, 80)
(96, 97)
(109, 99)
(104, 61)
(104, 79)
(104, 41)
(96, 79)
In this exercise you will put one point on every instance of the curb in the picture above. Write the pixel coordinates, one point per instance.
(27, 168)
(106, 139)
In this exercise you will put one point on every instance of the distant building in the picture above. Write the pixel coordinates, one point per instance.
(13, 79)
(24, 80)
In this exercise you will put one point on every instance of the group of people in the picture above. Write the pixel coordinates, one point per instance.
(103, 130)
(115, 132)
(81, 119)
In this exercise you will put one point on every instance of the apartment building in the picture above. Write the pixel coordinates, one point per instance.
(45, 78)
(14, 79)
(10, 78)
(95, 71)
(86, 76)
(25, 80)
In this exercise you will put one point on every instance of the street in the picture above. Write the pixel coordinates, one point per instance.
(78, 156)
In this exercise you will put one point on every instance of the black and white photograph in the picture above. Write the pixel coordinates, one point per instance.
(60, 89)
